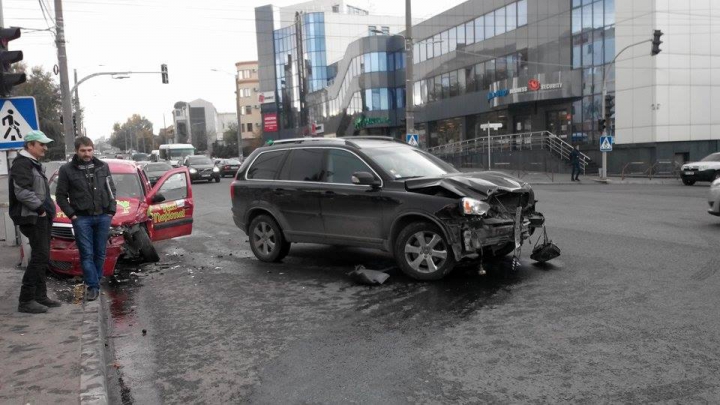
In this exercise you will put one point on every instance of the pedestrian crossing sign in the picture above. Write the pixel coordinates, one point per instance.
(412, 139)
(606, 143)
(18, 116)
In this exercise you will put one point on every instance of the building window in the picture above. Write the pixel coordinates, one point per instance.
(386, 30)
(248, 110)
(249, 127)
(336, 8)
(372, 30)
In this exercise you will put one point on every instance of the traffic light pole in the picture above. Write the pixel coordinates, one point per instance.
(409, 65)
(604, 94)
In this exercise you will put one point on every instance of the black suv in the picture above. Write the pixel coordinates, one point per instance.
(378, 193)
(202, 168)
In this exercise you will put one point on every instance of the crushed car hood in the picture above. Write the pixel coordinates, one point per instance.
(483, 184)
(127, 212)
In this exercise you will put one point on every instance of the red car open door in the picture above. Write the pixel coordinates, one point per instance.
(172, 215)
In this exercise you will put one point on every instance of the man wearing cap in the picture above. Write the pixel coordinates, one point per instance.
(86, 194)
(32, 209)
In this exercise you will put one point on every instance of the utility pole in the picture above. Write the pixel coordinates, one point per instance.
(64, 79)
(409, 98)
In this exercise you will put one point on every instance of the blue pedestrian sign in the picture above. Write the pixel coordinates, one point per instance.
(18, 116)
(606, 143)
(412, 139)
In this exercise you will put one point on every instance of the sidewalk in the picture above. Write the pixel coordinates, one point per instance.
(56, 357)
(537, 178)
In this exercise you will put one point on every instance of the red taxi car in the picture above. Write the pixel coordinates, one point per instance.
(144, 215)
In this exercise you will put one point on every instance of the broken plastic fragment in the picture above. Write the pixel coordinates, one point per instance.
(370, 277)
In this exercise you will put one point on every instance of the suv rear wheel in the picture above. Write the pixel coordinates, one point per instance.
(422, 252)
(266, 239)
(688, 182)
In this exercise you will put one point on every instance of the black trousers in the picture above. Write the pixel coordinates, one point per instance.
(575, 172)
(33, 282)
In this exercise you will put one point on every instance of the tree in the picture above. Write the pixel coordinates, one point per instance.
(135, 134)
(41, 85)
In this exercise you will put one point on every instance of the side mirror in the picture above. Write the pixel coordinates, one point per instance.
(158, 198)
(365, 179)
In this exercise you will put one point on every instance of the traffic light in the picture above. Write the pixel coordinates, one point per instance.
(9, 79)
(656, 42)
(601, 125)
(164, 73)
(609, 106)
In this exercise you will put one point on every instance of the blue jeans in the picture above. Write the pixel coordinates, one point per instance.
(91, 236)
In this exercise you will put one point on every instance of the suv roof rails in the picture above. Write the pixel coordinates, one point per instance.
(301, 140)
(369, 137)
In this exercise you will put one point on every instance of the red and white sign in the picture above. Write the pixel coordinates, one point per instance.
(266, 97)
(533, 85)
(270, 122)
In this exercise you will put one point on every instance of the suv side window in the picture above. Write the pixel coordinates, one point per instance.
(303, 165)
(266, 166)
(341, 165)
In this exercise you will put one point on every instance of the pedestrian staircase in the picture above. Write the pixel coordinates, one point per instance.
(528, 145)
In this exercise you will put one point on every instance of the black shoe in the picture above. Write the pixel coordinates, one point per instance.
(31, 307)
(48, 302)
(92, 294)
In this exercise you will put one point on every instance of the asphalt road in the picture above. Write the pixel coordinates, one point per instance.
(628, 313)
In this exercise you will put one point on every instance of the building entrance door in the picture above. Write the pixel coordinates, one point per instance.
(558, 122)
(523, 123)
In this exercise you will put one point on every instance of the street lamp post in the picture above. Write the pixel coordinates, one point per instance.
(237, 110)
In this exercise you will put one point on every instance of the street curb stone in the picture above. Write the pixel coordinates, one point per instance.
(93, 379)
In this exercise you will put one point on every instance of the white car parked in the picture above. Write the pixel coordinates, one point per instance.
(714, 198)
(708, 169)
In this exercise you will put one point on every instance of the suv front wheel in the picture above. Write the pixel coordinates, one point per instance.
(422, 252)
(266, 239)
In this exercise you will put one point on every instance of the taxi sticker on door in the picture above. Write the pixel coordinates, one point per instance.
(169, 212)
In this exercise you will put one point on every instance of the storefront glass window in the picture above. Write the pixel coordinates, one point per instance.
(470, 79)
(461, 85)
(522, 13)
(489, 73)
(469, 33)
(511, 16)
(479, 29)
(500, 69)
(445, 83)
(499, 21)
(480, 76)
(489, 25)
(453, 84)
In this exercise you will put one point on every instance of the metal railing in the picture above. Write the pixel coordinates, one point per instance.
(543, 140)
(661, 168)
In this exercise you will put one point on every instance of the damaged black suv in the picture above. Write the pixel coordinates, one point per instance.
(378, 193)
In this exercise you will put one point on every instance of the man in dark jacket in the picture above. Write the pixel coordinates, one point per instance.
(575, 162)
(86, 194)
(32, 209)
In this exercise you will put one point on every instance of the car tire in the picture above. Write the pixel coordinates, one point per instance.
(423, 253)
(217, 179)
(267, 241)
(688, 182)
(144, 245)
(717, 174)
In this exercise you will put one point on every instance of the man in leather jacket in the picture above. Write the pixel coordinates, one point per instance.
(32, 209)
(86, 194)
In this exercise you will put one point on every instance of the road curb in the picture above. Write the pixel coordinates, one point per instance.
(93, 379)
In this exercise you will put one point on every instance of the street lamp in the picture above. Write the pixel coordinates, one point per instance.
(237, 111)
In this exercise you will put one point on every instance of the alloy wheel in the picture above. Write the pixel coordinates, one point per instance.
(264, 238)
(425, 252)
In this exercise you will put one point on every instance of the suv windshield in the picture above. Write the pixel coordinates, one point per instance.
(231, 162)
(199, 161)
(405, 163)
(715, 157)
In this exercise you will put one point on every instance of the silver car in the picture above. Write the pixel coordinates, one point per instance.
(714, 198)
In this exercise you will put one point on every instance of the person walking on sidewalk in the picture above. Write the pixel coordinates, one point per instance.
(32, 209)
(86, 194)
(575, 162)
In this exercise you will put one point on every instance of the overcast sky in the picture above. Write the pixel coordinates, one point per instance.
(192, 37)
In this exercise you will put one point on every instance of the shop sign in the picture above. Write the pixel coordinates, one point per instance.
(270, 122)
(266, 97)
(533, 85)
(364, 122)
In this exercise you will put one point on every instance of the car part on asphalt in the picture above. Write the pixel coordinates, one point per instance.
(546, 251)
(369, 277)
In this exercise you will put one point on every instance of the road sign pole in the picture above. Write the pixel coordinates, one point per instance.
(489, 155)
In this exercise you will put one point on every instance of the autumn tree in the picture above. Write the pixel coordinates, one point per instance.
(135, 134)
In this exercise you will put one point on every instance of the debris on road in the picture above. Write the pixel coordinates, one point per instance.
(370, 277)
(545, 251)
